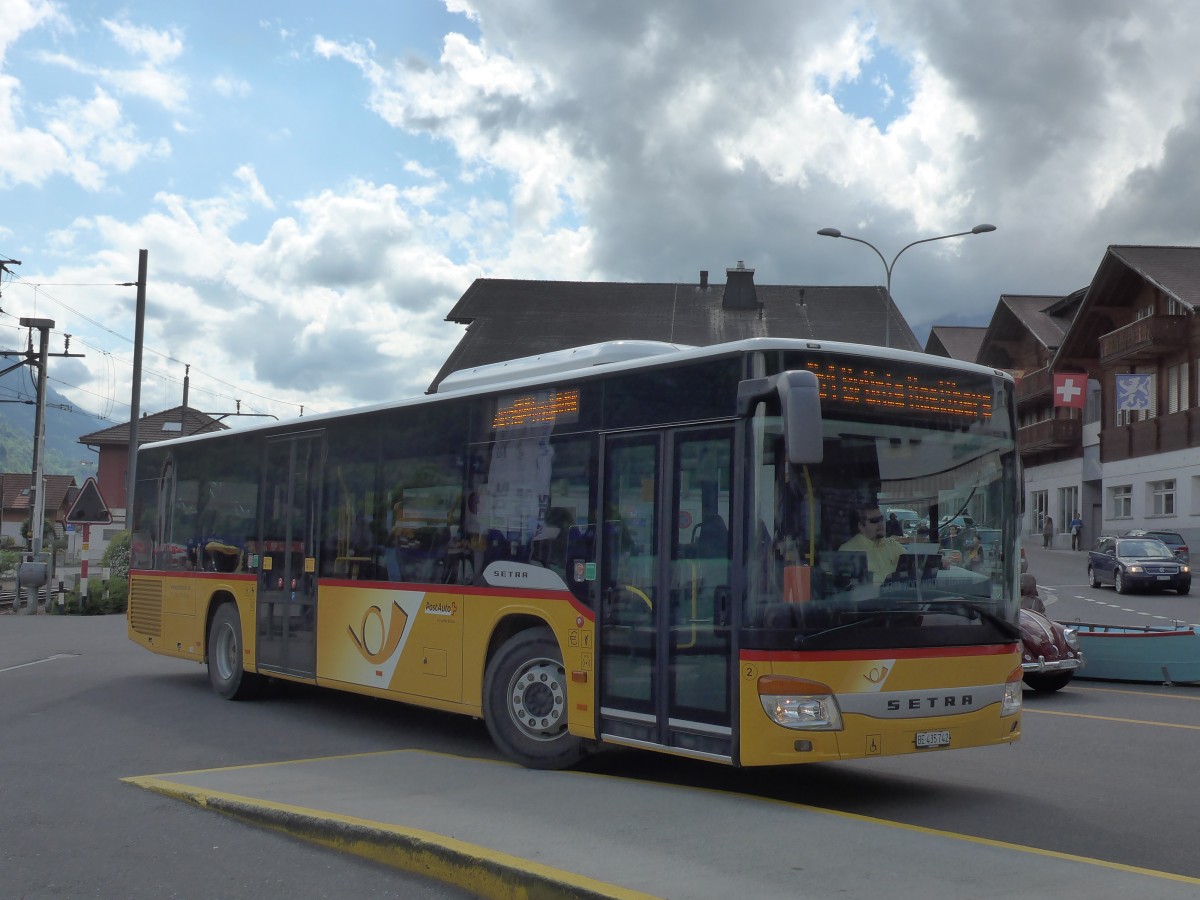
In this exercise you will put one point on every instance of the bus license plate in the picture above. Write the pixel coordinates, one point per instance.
(933, 739)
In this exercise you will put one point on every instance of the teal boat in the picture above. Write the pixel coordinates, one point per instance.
(1163, 654)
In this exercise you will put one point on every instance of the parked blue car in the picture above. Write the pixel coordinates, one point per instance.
(1137, 563)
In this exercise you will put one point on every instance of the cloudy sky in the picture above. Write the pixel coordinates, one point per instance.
(317, 184)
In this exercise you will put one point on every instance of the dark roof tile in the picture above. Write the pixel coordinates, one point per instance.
(511, 318)
(161, 426)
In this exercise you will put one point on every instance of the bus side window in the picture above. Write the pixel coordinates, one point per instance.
(550, 549)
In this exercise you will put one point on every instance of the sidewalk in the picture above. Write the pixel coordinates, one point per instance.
(499, 830)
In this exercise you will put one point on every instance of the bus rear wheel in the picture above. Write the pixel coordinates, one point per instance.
(225, 671)
(525, 702)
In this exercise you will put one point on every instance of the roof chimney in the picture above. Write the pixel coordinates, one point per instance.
(739, 288)
(704, 279)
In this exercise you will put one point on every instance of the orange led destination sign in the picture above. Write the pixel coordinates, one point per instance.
(539, 408)
(877, 387)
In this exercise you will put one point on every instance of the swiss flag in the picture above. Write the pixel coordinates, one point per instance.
(1070, 389)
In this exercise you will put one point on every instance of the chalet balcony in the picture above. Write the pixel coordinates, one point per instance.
(1035, 385)
(1162, 434)
(1050, 434)
(1144, 339)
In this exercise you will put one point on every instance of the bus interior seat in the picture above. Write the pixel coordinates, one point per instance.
(711, 537)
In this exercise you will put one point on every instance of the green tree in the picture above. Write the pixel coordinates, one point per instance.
(116, 556)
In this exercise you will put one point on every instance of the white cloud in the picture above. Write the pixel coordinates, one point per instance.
(159, 47)
(154, 80)
(343, 300)
(21, 16)
(552, 140)
(97, 140)
(228, 86)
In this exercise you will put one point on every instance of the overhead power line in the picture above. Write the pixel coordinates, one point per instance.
(238, 397)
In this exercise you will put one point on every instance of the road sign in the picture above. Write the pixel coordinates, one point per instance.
(89, 507)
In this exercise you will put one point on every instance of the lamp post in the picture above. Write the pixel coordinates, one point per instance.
(887, 312)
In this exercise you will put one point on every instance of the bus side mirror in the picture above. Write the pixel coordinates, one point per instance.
(800, 405)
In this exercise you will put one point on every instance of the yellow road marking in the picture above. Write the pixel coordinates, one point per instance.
(1147, 693)
(1003, 845)
(1071, 715)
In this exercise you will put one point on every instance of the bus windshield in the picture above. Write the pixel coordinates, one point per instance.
(903, 536)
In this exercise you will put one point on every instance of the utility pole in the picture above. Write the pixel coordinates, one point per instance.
(35, 572)
(135, 400)
(5, 263)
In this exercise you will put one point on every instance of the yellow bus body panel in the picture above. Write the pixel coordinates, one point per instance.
(933, 680)
(168, 614)
(426, 647)
(421, 645)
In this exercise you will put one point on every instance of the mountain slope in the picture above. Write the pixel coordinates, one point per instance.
(64, 425)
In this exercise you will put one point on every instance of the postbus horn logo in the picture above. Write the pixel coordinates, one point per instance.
(377, 641)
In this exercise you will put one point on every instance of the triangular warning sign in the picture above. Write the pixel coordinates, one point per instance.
(89, 507)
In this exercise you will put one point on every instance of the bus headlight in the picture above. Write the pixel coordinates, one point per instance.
(1011, 705)
(798, 703)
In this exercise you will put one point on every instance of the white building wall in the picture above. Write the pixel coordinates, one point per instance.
(1050, 478)
(1182, 466)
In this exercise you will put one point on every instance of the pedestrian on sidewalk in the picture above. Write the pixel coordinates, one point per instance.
(1047, 532)
(1076, 531)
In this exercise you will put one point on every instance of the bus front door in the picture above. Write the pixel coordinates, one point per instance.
(287, 575)
(666, 556)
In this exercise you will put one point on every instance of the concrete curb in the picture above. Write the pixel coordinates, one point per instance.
(485, 873)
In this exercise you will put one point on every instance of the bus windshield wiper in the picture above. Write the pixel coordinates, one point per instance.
(971, 610)
(873, 618)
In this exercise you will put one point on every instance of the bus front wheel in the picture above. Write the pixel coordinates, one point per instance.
(225, 672)
(525, 702)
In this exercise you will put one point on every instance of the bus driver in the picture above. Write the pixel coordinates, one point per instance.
(883, 553)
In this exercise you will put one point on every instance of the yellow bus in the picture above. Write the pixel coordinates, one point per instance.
(640, 544)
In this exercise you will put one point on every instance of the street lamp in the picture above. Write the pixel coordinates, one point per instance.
(887, 312)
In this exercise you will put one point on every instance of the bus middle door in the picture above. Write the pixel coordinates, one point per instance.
(287, 580)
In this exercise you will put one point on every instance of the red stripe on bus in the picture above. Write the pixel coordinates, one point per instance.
(893, 653)
(424, 588)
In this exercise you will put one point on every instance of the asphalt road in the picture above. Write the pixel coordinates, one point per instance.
(81, 707)
(1063, 582)
(1103, 771)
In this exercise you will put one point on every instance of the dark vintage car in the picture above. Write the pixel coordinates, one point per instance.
(1050, 651)
(1133, 563)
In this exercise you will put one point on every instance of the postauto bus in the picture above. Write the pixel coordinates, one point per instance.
(631, 543)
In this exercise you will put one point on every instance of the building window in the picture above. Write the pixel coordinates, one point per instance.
(1039, 502)
(1144, 313)
(1162, 497)
(1120, 502)
(1175, 308)
(1177, 388)
(1068, 505)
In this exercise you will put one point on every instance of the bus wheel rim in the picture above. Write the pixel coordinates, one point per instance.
(226, 652)
(537, 700)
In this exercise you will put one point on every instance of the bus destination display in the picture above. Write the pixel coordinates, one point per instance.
(538, 408)
(898, 390)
